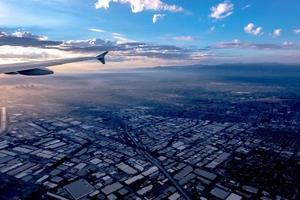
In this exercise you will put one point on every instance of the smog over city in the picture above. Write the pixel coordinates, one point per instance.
(149, 99)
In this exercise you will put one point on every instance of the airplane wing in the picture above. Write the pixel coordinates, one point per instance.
(40, 68)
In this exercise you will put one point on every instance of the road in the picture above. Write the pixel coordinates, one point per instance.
(3, 120)
(155, 162)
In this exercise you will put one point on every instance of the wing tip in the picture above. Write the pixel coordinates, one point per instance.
(101, 57)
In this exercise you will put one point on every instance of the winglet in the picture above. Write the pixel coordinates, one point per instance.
(101, 57)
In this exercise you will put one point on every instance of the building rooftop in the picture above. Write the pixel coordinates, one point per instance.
(79, 189)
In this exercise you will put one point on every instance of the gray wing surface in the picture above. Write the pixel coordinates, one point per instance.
(41, 68)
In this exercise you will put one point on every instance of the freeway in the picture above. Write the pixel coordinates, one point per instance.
(154, 161)
(3, 120)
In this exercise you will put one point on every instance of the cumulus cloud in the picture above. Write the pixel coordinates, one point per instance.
(277, 32)
(297, 31)
(19, 38)
(2, 34)
(222, 10)
(288, 44)
(25, 34)
(140, 5)
(253, 30)
(157, 17)
(84, 43)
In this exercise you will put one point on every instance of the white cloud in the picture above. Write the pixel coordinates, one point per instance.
(102, 4)
(213, 28)
(140, 5)
(21, 47)
(25, 34)
(287, 44)
(79, 43)
(221, 10)
(183, 38)
(258, 46)
(122, 40)
(97, 30)
(2, 34)
(246, 6)
(116, 34)
(277, 32)
(297, 31)
(11, 54)
(253, 30)
(157, 17)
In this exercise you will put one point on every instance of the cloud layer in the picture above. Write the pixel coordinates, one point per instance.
(236, 44)
(23, 47)
(183, 38)
(25, 39)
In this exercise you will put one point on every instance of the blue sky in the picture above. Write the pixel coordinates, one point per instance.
(212, 31)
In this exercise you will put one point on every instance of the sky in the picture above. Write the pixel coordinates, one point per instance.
(148, 33)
